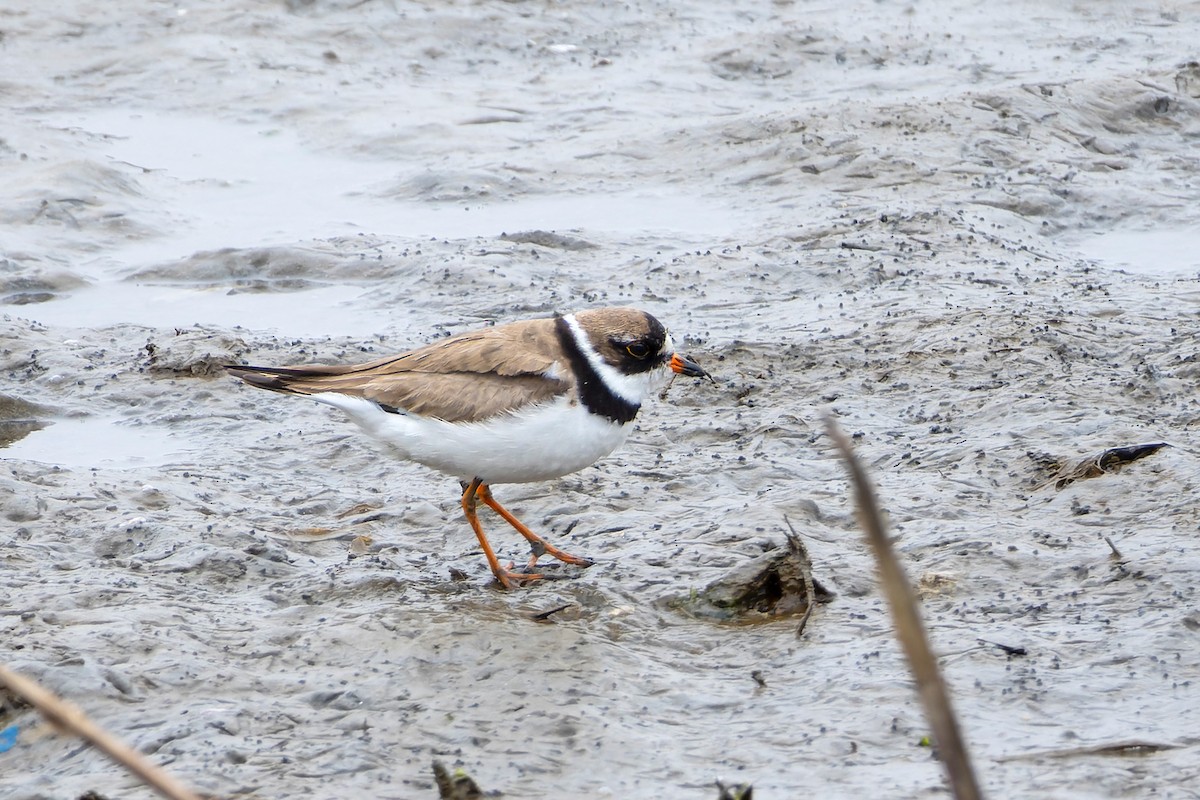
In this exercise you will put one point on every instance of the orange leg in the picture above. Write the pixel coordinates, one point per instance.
(539, 545)
(470, 502)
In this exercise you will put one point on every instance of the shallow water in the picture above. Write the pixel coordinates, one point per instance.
(1154, 253)
(965, 230)
(104, 443)
(232, 184)
(307, 312)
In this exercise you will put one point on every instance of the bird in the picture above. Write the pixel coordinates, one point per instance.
(526, 401)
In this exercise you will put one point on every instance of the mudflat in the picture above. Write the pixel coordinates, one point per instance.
(968, 231)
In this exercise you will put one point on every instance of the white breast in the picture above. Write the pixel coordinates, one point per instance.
(536, 444)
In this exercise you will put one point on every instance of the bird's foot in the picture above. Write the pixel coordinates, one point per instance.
(511, 579)
(540, 547)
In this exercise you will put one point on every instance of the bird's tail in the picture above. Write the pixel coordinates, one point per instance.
(290, 380)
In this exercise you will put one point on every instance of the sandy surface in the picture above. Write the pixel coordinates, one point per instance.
(968, 230)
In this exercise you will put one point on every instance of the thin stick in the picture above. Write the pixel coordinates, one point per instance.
(797, 545)
(909, 629)
(72, 719)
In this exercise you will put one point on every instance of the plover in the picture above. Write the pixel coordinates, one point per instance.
(516, 403)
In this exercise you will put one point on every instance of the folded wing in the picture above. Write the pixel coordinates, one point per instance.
(466, 378)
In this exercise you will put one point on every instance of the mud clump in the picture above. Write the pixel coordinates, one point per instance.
(766, 588)
(199, 354)
(19, 418)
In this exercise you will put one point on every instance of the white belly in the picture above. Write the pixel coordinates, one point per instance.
(546, 442)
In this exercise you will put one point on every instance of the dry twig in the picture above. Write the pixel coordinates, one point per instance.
(71, 718)
(801, 553)
(910, 630)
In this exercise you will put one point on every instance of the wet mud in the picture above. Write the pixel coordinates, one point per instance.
(967, 231)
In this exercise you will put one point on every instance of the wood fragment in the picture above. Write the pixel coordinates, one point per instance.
(545, 615)
(1116, 554)
(1008, 649)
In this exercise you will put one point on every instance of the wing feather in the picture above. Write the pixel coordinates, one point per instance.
(465, 378)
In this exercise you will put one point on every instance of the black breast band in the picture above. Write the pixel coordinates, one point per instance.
(594, 393)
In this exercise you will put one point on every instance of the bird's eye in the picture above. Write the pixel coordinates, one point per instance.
(637, 350)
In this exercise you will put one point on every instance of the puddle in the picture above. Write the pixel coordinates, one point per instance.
(217, 185)
(1166, 253)
(242, 185)
(90, 442)
(319, 311)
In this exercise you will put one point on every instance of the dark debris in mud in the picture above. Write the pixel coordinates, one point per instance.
(457, 785)
(1062, 473)
(737, 791)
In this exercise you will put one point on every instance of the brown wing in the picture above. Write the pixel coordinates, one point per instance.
(465, 378)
